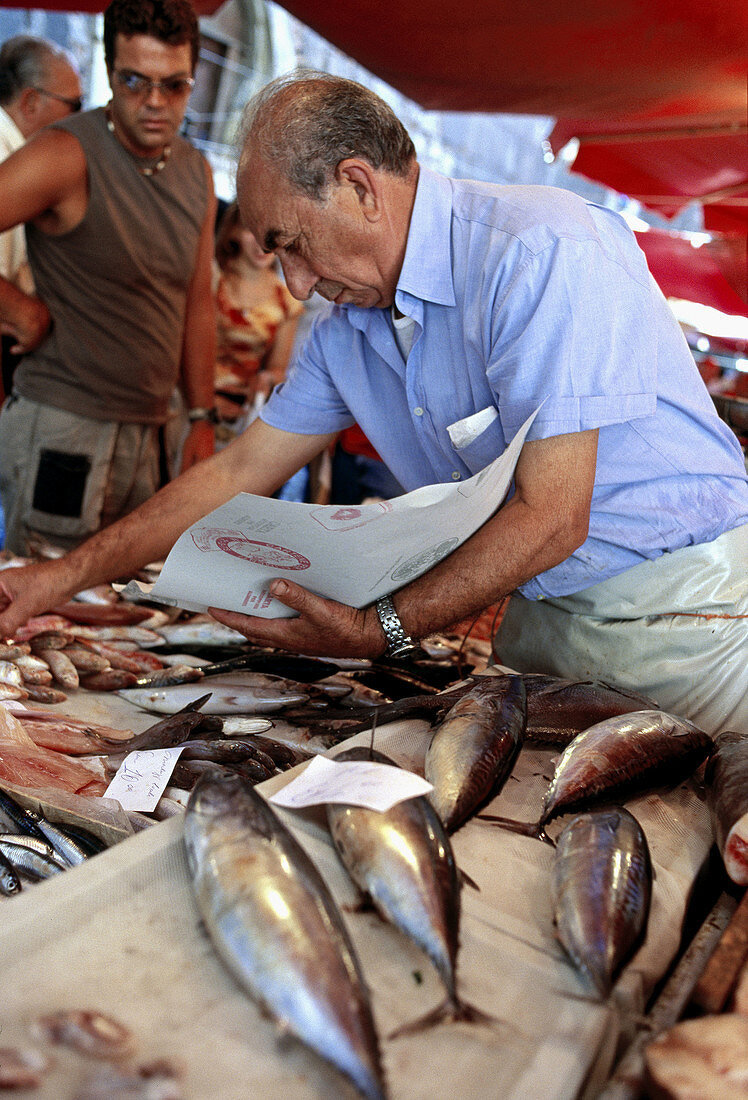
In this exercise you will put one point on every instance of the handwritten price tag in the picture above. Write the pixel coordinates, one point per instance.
(352, 783)
(142, 778)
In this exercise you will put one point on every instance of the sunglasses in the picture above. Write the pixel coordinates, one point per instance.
(173, 87)
(74, 104)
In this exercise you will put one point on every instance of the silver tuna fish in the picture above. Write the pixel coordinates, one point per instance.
(620, 756)
(402, 860)
(601, 885)
(275, 925)
(473, 749)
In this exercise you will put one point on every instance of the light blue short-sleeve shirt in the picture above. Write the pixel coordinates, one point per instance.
(523, 296)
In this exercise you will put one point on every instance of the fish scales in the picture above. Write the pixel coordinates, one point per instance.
(403, 860)
(727, 797)
(473, 749)
(275, 925)
(622, 755)
(601, 884)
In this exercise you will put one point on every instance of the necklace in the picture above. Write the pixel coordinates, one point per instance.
(148, 170)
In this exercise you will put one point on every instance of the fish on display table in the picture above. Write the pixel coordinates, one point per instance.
(727, 797)
(472, 751)
(601, 887)
(226, 698)
(621, 756)
(402, 860)
(274, 924)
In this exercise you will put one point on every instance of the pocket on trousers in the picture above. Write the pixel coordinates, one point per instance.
(61, 483)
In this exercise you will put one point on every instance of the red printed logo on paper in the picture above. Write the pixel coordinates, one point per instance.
(346, 518)
(262, 553)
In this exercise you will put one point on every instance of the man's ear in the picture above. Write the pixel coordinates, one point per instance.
(28, 103)
(365, 181)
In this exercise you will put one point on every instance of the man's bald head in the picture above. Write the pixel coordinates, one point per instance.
(305, 124)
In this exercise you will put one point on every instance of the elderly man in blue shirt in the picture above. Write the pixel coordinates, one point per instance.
(458, 309)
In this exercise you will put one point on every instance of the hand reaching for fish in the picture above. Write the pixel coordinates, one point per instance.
(29, 589)
(323, 628)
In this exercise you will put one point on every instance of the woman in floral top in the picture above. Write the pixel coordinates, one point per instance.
(256, 320)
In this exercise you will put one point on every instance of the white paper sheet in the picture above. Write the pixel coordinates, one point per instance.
(351, 554)
(350, 783)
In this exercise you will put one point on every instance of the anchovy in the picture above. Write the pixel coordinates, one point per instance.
(276, 927)
(472, 751)
(29, 862)
(10, 883)
(402, 859)
(36, 825)
(727, 797)
(601, 885)
(228, 699)
(33, 844)
(615, 758)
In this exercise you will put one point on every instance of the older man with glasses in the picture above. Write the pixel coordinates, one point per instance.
(39, 84)
(119, 213)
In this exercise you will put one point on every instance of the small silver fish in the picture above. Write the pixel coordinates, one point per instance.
(274, 924)
(229, 699)
(29, 862)
(601, 885)
(200, 632)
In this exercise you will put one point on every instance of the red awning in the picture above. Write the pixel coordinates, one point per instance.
(713, 274)
(655, 90)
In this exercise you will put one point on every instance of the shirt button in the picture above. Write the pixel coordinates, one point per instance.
(418, 410)
(455, 475)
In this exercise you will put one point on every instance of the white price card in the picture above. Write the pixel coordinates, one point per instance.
(352, 783)
(142, 778)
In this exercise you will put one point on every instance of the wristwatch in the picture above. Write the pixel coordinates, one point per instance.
(201, 413)
(399, 643)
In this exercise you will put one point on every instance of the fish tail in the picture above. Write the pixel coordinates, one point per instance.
(534, 829)
(451, 1010)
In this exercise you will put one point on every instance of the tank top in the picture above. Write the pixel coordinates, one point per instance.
(116, 285)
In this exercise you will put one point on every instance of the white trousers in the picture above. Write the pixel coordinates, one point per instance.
(674, 629)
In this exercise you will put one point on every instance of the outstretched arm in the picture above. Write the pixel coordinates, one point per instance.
(259, 461)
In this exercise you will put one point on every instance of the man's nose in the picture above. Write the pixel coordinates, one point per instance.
(300, 279)
(155, 90)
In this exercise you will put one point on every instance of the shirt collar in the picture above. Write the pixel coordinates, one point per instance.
(426, 273)
(9, 131)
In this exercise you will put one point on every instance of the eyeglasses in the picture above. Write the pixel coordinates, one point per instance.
(74, 104)
(173, 87)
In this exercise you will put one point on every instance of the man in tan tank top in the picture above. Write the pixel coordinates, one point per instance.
(119, 213)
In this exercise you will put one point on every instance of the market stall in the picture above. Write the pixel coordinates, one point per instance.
(121, 935)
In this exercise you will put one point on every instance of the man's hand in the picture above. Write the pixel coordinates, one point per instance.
(199, 444)
(30, 590)
(323, 627)
(29, 325)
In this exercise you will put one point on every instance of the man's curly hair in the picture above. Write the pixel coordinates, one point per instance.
(171, 21)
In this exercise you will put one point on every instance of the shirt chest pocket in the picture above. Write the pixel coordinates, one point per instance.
(478, 439)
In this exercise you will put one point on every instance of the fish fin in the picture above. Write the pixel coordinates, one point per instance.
(466, 880)
(450, 1010)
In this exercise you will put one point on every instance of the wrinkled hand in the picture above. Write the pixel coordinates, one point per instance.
(29, 590)
(199, 444)
(30, 325)
(323, 627)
